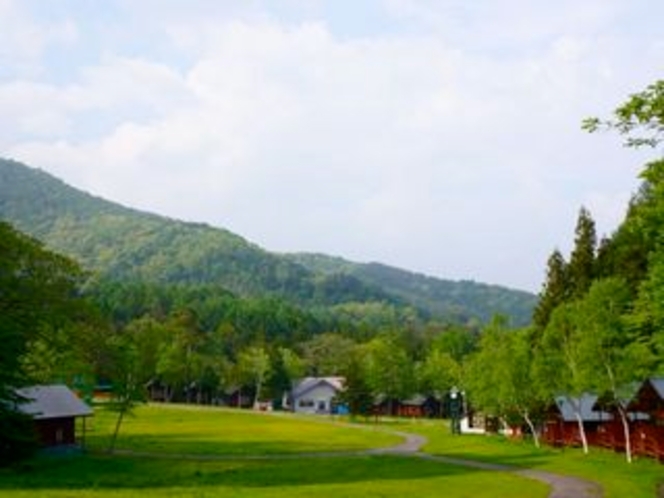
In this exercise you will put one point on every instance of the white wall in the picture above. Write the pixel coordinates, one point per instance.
(318, 400)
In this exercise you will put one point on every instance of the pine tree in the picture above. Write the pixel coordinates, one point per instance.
(554, 291)
(581, 268)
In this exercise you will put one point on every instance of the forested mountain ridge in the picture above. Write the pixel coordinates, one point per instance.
(125, 244)
(437, 296)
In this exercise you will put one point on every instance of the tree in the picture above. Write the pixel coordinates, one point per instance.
(640, 119)
(456, 341)
(287, 367)
(180, 363)
(357, 393)
(500, 379)
(38, 292)
(554, 290)
(559, 362)
(389, 369)
(123, 371)
(438, 373)
(254, 365)
(327, 354)
(615, 356)
(581, 267)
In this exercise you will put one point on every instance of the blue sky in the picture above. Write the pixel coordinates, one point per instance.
(438, 136)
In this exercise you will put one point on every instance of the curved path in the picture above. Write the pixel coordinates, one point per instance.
(561, 486)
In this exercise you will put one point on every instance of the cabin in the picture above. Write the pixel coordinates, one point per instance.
(237, 397)
(384, 406)
(419, 406)
(316, 394)
(648, 432)
(611, 432)
(54, 409)
(561, 426)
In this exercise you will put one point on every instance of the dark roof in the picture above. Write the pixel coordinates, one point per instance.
(416, 400)
(309, 383)
(586, 401)
(649, 397)
(658, 385)
(54, 401)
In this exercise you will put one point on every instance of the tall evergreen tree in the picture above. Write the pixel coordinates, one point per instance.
(554, 291)
(581, 269)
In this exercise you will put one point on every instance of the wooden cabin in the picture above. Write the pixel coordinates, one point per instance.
(561, 427)
(611, 432)
(417, 407)
(54, 409)
(648, 434)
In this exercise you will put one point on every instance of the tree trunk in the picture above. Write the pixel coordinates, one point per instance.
(118, 423)
(626, 432)
(257, 395)
(582, 429)
(533, 430)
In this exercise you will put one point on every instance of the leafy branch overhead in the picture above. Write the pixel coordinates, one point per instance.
(640, 119)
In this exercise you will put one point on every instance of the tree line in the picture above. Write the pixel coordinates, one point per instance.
(599, 323)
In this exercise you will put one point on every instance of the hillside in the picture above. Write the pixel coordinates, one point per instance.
(125, 244)
(439, 297)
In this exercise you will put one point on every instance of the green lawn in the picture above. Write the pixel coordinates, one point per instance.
(98, 476)
(192, 441)
(214, 431)
(198, 431)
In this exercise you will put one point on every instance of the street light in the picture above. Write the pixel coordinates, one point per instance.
(455, 410)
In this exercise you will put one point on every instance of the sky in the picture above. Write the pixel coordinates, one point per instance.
(438, 136)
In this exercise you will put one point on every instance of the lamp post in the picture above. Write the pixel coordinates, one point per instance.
(455, 410)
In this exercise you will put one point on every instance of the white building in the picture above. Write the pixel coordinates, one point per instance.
(316, 394)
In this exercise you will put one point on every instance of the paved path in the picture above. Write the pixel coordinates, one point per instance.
(561, 486)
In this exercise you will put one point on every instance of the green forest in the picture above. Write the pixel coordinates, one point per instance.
(94, 294)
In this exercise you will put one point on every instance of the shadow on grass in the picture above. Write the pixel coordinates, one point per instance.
(186, 444)
(511, 462)
(114, 472)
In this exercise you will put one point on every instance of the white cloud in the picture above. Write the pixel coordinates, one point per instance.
(24, 40)
(424, 149)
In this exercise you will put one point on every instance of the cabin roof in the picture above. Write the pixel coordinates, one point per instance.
(308, 383)
(658, 385)
(52, 401)
(565, 406)
(649, 397)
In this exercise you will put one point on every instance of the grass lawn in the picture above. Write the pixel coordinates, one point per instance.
(618, 478)
(190, 429)
(172, 430)
(385, 476)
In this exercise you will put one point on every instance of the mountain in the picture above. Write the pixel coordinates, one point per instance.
(439, 297)
(121, 243)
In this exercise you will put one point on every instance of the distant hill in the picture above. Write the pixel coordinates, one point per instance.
(126, 244)
(439, 297)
